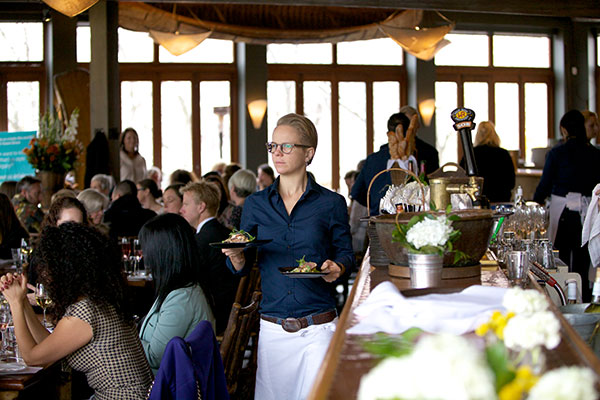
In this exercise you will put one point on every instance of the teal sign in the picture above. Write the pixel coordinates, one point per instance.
(13, 162)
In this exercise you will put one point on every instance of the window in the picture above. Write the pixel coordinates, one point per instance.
(507, 79)
(318, 53)
(23, 97)
(176, 122)
(215, 120)
(386, 101)
(317, 107)
(370, 52)
(521, 51)
(135, 46)
(84, 45)
(21, 41)
(353, 125)
(465, 50)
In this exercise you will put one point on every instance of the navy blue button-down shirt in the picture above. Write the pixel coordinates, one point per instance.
(317, 229)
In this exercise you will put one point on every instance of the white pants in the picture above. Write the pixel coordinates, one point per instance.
(288, 362)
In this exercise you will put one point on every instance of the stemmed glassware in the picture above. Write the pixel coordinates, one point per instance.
(43, 300)
(125, 252)
(5, 321)
(137, 256)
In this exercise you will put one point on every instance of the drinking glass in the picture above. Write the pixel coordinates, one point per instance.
(16, 257)
(125, 252)
(518, 268)
(137, 257)
(43, 300)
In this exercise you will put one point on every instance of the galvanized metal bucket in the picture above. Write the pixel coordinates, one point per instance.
(425, 270)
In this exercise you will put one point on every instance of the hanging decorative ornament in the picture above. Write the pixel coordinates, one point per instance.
(70, 8)
(177, 43)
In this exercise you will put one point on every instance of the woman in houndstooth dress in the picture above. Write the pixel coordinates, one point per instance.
(81, 271)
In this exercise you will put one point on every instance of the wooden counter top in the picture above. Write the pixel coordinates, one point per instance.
(346, 361)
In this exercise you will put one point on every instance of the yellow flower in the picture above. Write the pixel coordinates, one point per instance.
(523, 382)
(497, 323)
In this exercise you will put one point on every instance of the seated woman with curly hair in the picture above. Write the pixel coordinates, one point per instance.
(182, 301)
(93, 329)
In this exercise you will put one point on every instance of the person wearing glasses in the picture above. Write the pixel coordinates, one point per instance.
(304, 220)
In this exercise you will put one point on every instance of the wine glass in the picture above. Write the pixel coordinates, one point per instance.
(126, 252)
(5, 321)
(137, 256)
(43, 300)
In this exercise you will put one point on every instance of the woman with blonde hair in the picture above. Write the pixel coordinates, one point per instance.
(592, 129)
(493, 163)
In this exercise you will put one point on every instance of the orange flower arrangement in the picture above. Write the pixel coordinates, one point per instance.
(55, 148)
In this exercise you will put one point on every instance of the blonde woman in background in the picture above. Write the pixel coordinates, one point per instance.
(95, 203)
(493, 163)
(592, 128)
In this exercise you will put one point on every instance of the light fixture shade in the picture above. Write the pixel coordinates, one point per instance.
(177, 44)
(257, 110)
(426, 109)
(70, 8)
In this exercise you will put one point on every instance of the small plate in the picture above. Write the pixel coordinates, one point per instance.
(287, 272)
(11, 366)
(254, 243)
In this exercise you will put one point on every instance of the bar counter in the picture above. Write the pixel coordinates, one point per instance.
(346, 361)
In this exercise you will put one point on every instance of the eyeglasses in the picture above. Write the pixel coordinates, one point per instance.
(286, 148)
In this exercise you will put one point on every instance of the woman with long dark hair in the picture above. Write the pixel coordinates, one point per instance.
(65, 209)
(171, 254)
(11, 229)
(81, 271)
(148, 194)
(133, 165)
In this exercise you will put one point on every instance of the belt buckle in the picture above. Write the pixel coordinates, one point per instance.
(291, 325)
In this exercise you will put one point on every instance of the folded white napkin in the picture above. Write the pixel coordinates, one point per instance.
(404, 163)
(386, 310)
(591, 228)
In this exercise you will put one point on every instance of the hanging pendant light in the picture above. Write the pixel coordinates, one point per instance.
(70, 8)
(177, 43)
(422, 38)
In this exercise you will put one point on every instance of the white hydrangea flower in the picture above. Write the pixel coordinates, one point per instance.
(524, 302)
(566, 383)
(459, 372)
(430, 232)
(525, 332)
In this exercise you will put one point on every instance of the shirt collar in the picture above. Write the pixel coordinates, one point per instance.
(201, 224)
(311, 186)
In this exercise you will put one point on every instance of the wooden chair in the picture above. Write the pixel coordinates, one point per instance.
(248, 285)
(242, 322)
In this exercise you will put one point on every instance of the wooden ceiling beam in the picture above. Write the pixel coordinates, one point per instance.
(552, 8)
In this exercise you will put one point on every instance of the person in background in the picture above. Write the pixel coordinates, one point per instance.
(27, 203)
(494, 164)
(93, 330)
(9, 188)
(224, 199)
(11, 229)
(241, 185)
(125, 215)
(219, 168)
(375, 163)
(180, 288)
(63, 193)
(265, 177)
(358, 228)
(230, 169)
(570, 173)
(304, 220)
(133, 165)
(155, 174)
(65, 209)
(95, 203)
(181, 176)
(200, 203)
(592, 128)
(148, 194)
(172, 198)
(103, 183)
(427, 155)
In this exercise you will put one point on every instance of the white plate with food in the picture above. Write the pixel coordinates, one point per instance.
(240, 240)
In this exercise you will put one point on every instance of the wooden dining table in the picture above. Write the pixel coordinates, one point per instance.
(346, 361)
(47, 383)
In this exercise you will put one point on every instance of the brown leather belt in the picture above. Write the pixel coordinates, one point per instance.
(295, 324)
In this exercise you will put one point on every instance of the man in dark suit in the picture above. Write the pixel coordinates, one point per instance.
(200, 205)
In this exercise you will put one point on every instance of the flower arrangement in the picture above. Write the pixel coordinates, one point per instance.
(55, 148)
(452, 367)
(427, 233)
